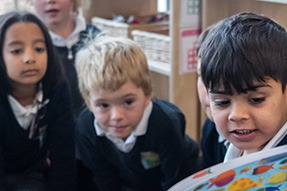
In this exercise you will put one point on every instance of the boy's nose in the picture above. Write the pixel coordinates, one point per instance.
(117, 114)
(238, 112)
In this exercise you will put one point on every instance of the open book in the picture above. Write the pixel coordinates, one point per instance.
(261, 171)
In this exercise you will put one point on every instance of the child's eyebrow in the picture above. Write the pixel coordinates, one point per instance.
(15, 43)
(252, 88)
(122, 97)
(129, 95)
(20, 42)
(39, 40)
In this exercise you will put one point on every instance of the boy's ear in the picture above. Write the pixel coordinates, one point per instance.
(88, 105)
(148, 99)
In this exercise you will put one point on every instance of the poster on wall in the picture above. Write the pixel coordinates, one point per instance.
(190, 24)
(188, 46)
(190, 13)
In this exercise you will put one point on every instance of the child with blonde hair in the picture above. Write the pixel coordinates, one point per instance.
(128, 140)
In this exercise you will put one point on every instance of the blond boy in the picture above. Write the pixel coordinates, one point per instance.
(128, 140)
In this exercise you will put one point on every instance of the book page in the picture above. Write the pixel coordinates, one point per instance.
(265, 170)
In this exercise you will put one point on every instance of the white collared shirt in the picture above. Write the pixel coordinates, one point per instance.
(126, 146)
(222, 139)
(233, 152)
(73, 37)
(24, 115)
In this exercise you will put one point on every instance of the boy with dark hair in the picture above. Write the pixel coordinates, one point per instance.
(243, 67)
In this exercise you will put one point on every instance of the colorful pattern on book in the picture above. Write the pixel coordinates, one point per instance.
(267, 174)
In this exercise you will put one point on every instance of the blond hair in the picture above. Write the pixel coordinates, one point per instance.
(109, 62)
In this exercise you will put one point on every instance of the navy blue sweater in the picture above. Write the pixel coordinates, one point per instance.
(213, 152)
(18, 153)
(69, 65)
(165, 137)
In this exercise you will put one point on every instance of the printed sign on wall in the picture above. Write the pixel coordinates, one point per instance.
(188, 46)
(190, 13)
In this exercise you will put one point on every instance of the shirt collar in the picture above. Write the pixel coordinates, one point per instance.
(20, 110)
(221, 138)
(233, 152)
(73, 37)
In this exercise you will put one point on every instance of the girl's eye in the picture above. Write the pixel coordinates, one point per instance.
(40, 50)
(16, 51)
(257, 100)
(222, 103)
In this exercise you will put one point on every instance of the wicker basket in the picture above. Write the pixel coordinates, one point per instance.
(156, 46)
(124, 30)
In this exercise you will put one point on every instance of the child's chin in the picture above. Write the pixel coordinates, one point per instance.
(120, 135)
(246, 148)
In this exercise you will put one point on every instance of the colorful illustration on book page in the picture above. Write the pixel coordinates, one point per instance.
(266, 174)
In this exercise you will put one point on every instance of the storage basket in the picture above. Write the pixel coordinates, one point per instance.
(124, 30)
(156, 46)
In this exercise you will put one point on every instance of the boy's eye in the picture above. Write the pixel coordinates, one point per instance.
(257, 100)
(103, 105)
(129, 102)
(223, 103)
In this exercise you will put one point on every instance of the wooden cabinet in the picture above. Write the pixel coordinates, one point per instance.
(167, 82)
(183, 89)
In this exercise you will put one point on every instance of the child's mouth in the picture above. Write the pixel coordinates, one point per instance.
(244, 134)
(52, 11)
(244, 131)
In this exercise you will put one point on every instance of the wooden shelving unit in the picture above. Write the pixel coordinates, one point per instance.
(160, 67)
(183, 89)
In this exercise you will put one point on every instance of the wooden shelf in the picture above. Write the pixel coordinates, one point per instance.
(275, 1)
(160, 67)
